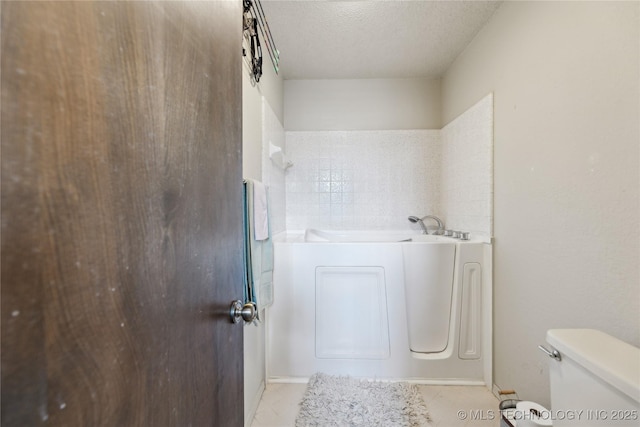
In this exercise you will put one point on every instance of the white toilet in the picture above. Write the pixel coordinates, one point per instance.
(595, 380)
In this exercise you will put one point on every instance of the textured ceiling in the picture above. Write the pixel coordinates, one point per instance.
(372, 39)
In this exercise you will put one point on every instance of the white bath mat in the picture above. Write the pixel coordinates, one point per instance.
(344, 402)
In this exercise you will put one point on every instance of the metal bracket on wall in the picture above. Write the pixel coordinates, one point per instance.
(253, 19)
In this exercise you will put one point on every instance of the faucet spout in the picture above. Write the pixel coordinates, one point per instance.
(420, 221)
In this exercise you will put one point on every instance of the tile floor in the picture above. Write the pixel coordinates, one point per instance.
(449, 406)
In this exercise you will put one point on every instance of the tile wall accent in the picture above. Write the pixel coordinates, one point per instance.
(467, 170)
(362, 179)
(272, 175)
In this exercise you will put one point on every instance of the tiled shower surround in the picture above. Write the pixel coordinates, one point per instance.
(466, 183)
(361, 179)
(375, 179)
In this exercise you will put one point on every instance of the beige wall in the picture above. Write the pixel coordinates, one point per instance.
(362, 104)
(565, 77)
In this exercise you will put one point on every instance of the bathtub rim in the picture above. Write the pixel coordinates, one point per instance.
(298, 236)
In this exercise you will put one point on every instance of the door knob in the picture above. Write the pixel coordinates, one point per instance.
(246, 312)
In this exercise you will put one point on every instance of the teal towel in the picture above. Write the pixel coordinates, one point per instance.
(258, 257)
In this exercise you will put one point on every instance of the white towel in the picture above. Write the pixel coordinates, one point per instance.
(260, 214)
(258, 255)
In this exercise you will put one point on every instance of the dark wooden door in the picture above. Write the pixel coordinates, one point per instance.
(121, 213)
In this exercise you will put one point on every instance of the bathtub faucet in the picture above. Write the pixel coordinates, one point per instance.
(417, 220)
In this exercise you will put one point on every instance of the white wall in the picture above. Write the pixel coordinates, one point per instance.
(270, 88)
(362, 104)
(565, 77)
(366, 140)
(273, 172)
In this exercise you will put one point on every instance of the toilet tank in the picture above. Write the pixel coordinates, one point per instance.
(597, 380)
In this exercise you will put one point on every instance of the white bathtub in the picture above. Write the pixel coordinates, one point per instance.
(387, 305)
